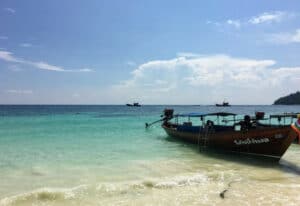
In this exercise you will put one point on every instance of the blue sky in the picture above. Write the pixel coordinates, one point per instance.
(154, 52)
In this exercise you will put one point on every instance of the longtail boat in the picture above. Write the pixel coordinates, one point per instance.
(224, 131)
(135, 104)
(224, 104)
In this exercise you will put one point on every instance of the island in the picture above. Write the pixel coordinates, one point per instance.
(290, 99)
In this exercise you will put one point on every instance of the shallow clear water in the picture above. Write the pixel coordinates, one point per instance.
(103, 155)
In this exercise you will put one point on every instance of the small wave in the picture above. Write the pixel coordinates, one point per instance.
(40, 196)
(167, 183)
(182, 181)
(44, 194)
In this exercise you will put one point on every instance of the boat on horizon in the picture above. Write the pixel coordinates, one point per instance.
(225, 132)
(135, 104)
(224, 104)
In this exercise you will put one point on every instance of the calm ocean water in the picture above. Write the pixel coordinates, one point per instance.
(103, 155)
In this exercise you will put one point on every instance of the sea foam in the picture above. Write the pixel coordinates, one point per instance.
(42, 195)
(155, 183)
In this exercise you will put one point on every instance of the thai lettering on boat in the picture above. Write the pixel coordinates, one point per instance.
(251, 141)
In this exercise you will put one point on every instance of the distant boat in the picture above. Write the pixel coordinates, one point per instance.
(224, 104)
(135, 104)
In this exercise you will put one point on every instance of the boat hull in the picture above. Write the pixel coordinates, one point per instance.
(267, 142)
(222, 105)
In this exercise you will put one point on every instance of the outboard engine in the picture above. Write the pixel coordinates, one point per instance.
(168, 114)
(165, 117)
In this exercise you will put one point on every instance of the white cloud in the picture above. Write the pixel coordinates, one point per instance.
(15, 91)
(3, 37)
(25, 45)
(46, 66)
(8, 57)
(208, 79)
(82, 70)
(235, 23)
(268, 17)
(215, 23)
(285, 38)
(10, 10)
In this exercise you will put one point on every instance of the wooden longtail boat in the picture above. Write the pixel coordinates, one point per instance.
(248, 136)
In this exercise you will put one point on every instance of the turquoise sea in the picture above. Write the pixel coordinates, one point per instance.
(103, 155)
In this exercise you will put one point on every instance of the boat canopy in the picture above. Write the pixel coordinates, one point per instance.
(192, 114)
(293, 115)
(195, 114)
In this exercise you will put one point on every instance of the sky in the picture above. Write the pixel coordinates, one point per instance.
(152, 52)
